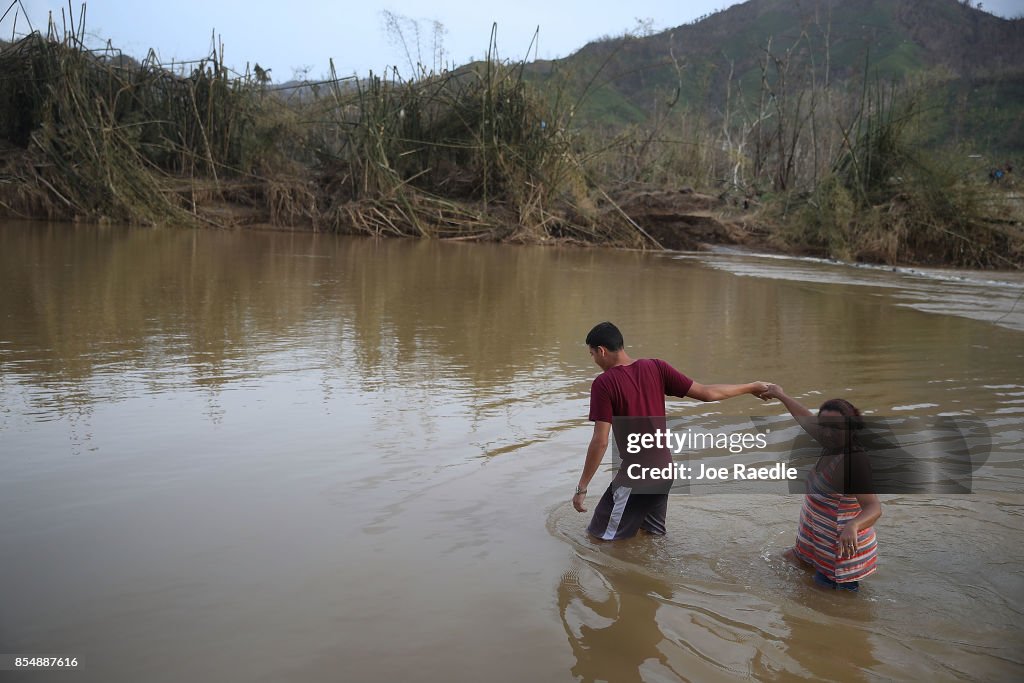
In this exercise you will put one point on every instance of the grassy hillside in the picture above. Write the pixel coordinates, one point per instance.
(767, 110)
(796, 45)
(985, 115)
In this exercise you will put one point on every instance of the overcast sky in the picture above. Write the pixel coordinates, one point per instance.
(290, 36)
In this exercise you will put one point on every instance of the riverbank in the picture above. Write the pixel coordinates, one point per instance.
(477, 154)
(675, 220)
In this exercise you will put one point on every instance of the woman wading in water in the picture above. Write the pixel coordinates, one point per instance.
(836, 535)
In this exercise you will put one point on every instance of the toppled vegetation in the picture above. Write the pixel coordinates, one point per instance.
(485, 153)
(474, 154)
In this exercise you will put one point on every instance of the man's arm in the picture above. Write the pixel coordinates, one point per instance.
(720, 392)
(595, 453)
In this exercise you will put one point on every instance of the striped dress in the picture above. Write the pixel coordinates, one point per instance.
(824, 514)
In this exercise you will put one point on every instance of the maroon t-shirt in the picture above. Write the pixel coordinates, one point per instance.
(636, 390)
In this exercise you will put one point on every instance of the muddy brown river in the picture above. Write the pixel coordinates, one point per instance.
(234, 456)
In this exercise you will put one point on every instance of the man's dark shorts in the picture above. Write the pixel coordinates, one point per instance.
(622, 512)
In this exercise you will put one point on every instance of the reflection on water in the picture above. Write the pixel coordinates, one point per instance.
(629, 623)
(727, 602)
(235, 456)
(613, 627)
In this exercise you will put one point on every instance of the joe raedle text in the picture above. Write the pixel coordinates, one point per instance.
(701, 472)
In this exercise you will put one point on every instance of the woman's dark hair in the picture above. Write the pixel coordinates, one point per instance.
(856, 474)
(844, 408)
(607, 335)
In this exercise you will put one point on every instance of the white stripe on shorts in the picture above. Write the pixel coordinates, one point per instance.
(620, 496)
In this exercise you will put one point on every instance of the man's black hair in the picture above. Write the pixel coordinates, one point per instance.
(607, 335)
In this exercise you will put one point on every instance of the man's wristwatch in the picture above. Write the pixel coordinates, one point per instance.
(579, 490)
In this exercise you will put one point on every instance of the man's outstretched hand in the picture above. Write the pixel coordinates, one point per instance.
(577, 502)
(762, 390)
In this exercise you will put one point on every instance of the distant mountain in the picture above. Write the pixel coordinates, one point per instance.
(628, 78)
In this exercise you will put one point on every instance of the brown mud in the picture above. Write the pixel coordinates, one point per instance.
(676, 220)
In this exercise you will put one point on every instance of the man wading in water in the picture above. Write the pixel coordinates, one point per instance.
(634, 388)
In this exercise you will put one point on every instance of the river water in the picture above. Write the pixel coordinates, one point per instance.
(238, 456)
